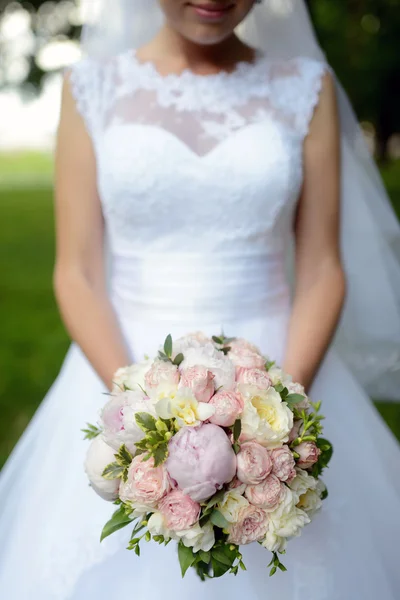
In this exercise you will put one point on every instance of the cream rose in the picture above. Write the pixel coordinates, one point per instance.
(302, 483)
(267, 494)
(265, 417)
(231, 505)
(98, 456)
(287, 520)
(253, 463)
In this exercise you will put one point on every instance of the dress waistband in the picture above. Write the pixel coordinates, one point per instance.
(207, 288)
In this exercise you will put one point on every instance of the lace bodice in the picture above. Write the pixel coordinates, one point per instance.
(197, 166)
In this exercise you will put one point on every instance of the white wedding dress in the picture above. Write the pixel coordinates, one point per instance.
(199, 177)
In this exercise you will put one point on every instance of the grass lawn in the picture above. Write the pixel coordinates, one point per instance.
(33, 340)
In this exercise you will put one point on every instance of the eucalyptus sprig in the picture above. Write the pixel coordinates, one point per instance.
(166, 353)
(290, 399)
(158, 433)
(223, 342)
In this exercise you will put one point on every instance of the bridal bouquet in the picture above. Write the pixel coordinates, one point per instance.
(210, 445)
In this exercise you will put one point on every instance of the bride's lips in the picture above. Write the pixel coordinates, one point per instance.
(211, 11)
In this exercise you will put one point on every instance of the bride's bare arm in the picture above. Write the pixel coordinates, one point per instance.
(79, 276)
(320, 281)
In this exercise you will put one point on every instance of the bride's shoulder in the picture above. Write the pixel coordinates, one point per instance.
(300, 68)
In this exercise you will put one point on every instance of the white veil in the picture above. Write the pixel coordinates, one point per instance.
(368, 338)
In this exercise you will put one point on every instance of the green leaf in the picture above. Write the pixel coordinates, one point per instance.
(219, 568)
(123, 456)
(217, 339)
(324, 494)
(145, 421)
(226, 350)
(218, 519)
(215, 499)
(117, 521)
(221, 557)
(91, 432)
(186, 557)
(269, 364)
(137, 550)
(205, 556)
(272, 571)
(163, 356)
(293, 399)
(168, 346)
(279, 387)
(236, 448)
(160, 455)
(237, 430)
(113, 471)
(179, 358)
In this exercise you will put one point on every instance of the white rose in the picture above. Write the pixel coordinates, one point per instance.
(302, 483)
(310, 502)
(231, 505)
(131, 377)
(184, 408)
(287, 520)
(220, 365)
(265, 417)
(198, 538)
(98, 456)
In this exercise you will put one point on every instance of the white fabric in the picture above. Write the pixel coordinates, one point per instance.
(369, 336)
(199, 230)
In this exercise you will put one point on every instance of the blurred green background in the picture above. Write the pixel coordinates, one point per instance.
(361, 40)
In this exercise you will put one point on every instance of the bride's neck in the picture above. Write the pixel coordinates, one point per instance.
(169, 46)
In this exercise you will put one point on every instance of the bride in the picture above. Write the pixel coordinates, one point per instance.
(199, 144)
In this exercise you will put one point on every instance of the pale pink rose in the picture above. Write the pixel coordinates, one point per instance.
(146, 483)
(200, 380)
(201, 460)
(179, 511)
(266, 494)
(255, 377)
(309, 454)
(295, 431)
(251, 526)
(228, 407)
(283, 463)
(243, 344)
(246, 358)
(161, 372)
(253, 463)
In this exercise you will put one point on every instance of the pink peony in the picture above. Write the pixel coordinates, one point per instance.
(255, 377)
(283, 464)
(118, 419)
(309, 454)
(245, 356)
(161, 372)
(251, 526)
(200, 380)
(179, 511)
(146, 483)
(201, 460)
(253, 463)
(266, 494)
(228, 407)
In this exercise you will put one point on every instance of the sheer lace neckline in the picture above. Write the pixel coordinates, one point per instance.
(240, 69)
